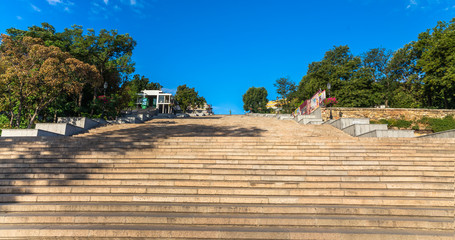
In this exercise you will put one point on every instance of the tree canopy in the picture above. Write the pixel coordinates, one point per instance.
(74, 63)
(35, 75)
(286, 89)
(188, 97)
(421, 74)
(255, 99)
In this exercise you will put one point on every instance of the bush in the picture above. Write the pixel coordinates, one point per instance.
(402, 124)
(444, 124)
(384, 121)
(4, 122)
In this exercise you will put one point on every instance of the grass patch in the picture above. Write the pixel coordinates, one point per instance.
(398, 123)
(426, 123)
(439, 124)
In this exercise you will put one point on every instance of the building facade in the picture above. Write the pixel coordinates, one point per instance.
(157, 99)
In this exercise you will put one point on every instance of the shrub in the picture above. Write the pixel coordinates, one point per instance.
(384, 121)
(444, 124)
(401, 123)
(4, 122)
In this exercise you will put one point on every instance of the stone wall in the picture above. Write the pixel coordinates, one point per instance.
(386, 113)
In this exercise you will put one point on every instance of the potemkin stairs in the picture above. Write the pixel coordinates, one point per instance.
(228, 177)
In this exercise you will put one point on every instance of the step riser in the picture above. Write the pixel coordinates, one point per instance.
(236, 184)
(220, 234)
(30, 198)
(246, 171)
(231, 192)
(228, 221)
(232, 209)
(222, 177)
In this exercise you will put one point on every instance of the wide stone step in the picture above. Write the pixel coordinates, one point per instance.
(147, 147)
(229, 199)
(306, 209)
(252, 169)
(219, 170)
(344, 163)
(251, 191)
(238, 156)
(231, 220)
(151, 165)
(223, 177)
(94, 231)
(237, 184)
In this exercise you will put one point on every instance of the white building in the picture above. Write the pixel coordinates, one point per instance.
(157, 99)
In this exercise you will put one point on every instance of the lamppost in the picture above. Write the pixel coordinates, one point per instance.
(328, 88)
(105, 87)
(104, 100)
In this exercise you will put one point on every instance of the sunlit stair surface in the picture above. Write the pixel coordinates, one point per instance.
(226, 177)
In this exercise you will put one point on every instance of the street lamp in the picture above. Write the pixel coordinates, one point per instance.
(105, 87)
(329, 86)
(104, 100)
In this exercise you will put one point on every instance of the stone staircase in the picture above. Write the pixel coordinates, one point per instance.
(231, 177)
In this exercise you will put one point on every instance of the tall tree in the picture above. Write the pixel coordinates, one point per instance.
(109, 51)
(342, 70)
(406, 77)
(188, 97)
(437, 61)
(255, 99)
(285, 88)
(35, 75)
(375, 62)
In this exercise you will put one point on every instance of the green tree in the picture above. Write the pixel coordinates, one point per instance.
(437, 61)
(109, 51)
(350, 84)
(255, 100)
(188, 97)
(36, 75)
(406, 77)
(375, 64)
(285, 89)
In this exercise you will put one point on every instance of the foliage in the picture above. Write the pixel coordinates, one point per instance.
(109, 52)
(285, 90)
(352, 84)
(397, 123)
(421, 74)
(36, 75)
(438, 124)
(188, 97)
(255, 100)
(330, 101)
(4, 122)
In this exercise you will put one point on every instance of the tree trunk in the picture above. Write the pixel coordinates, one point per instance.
(11, 120)
(94, 100)
(79, 101)
(32, 120)
(55, 116)
(18, 115)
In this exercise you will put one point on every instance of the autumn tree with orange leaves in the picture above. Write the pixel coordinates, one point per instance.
(33, 75)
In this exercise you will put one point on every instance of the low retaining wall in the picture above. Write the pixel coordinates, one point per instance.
(386, 113)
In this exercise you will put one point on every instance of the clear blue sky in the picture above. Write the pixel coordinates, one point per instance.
(223, 47)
